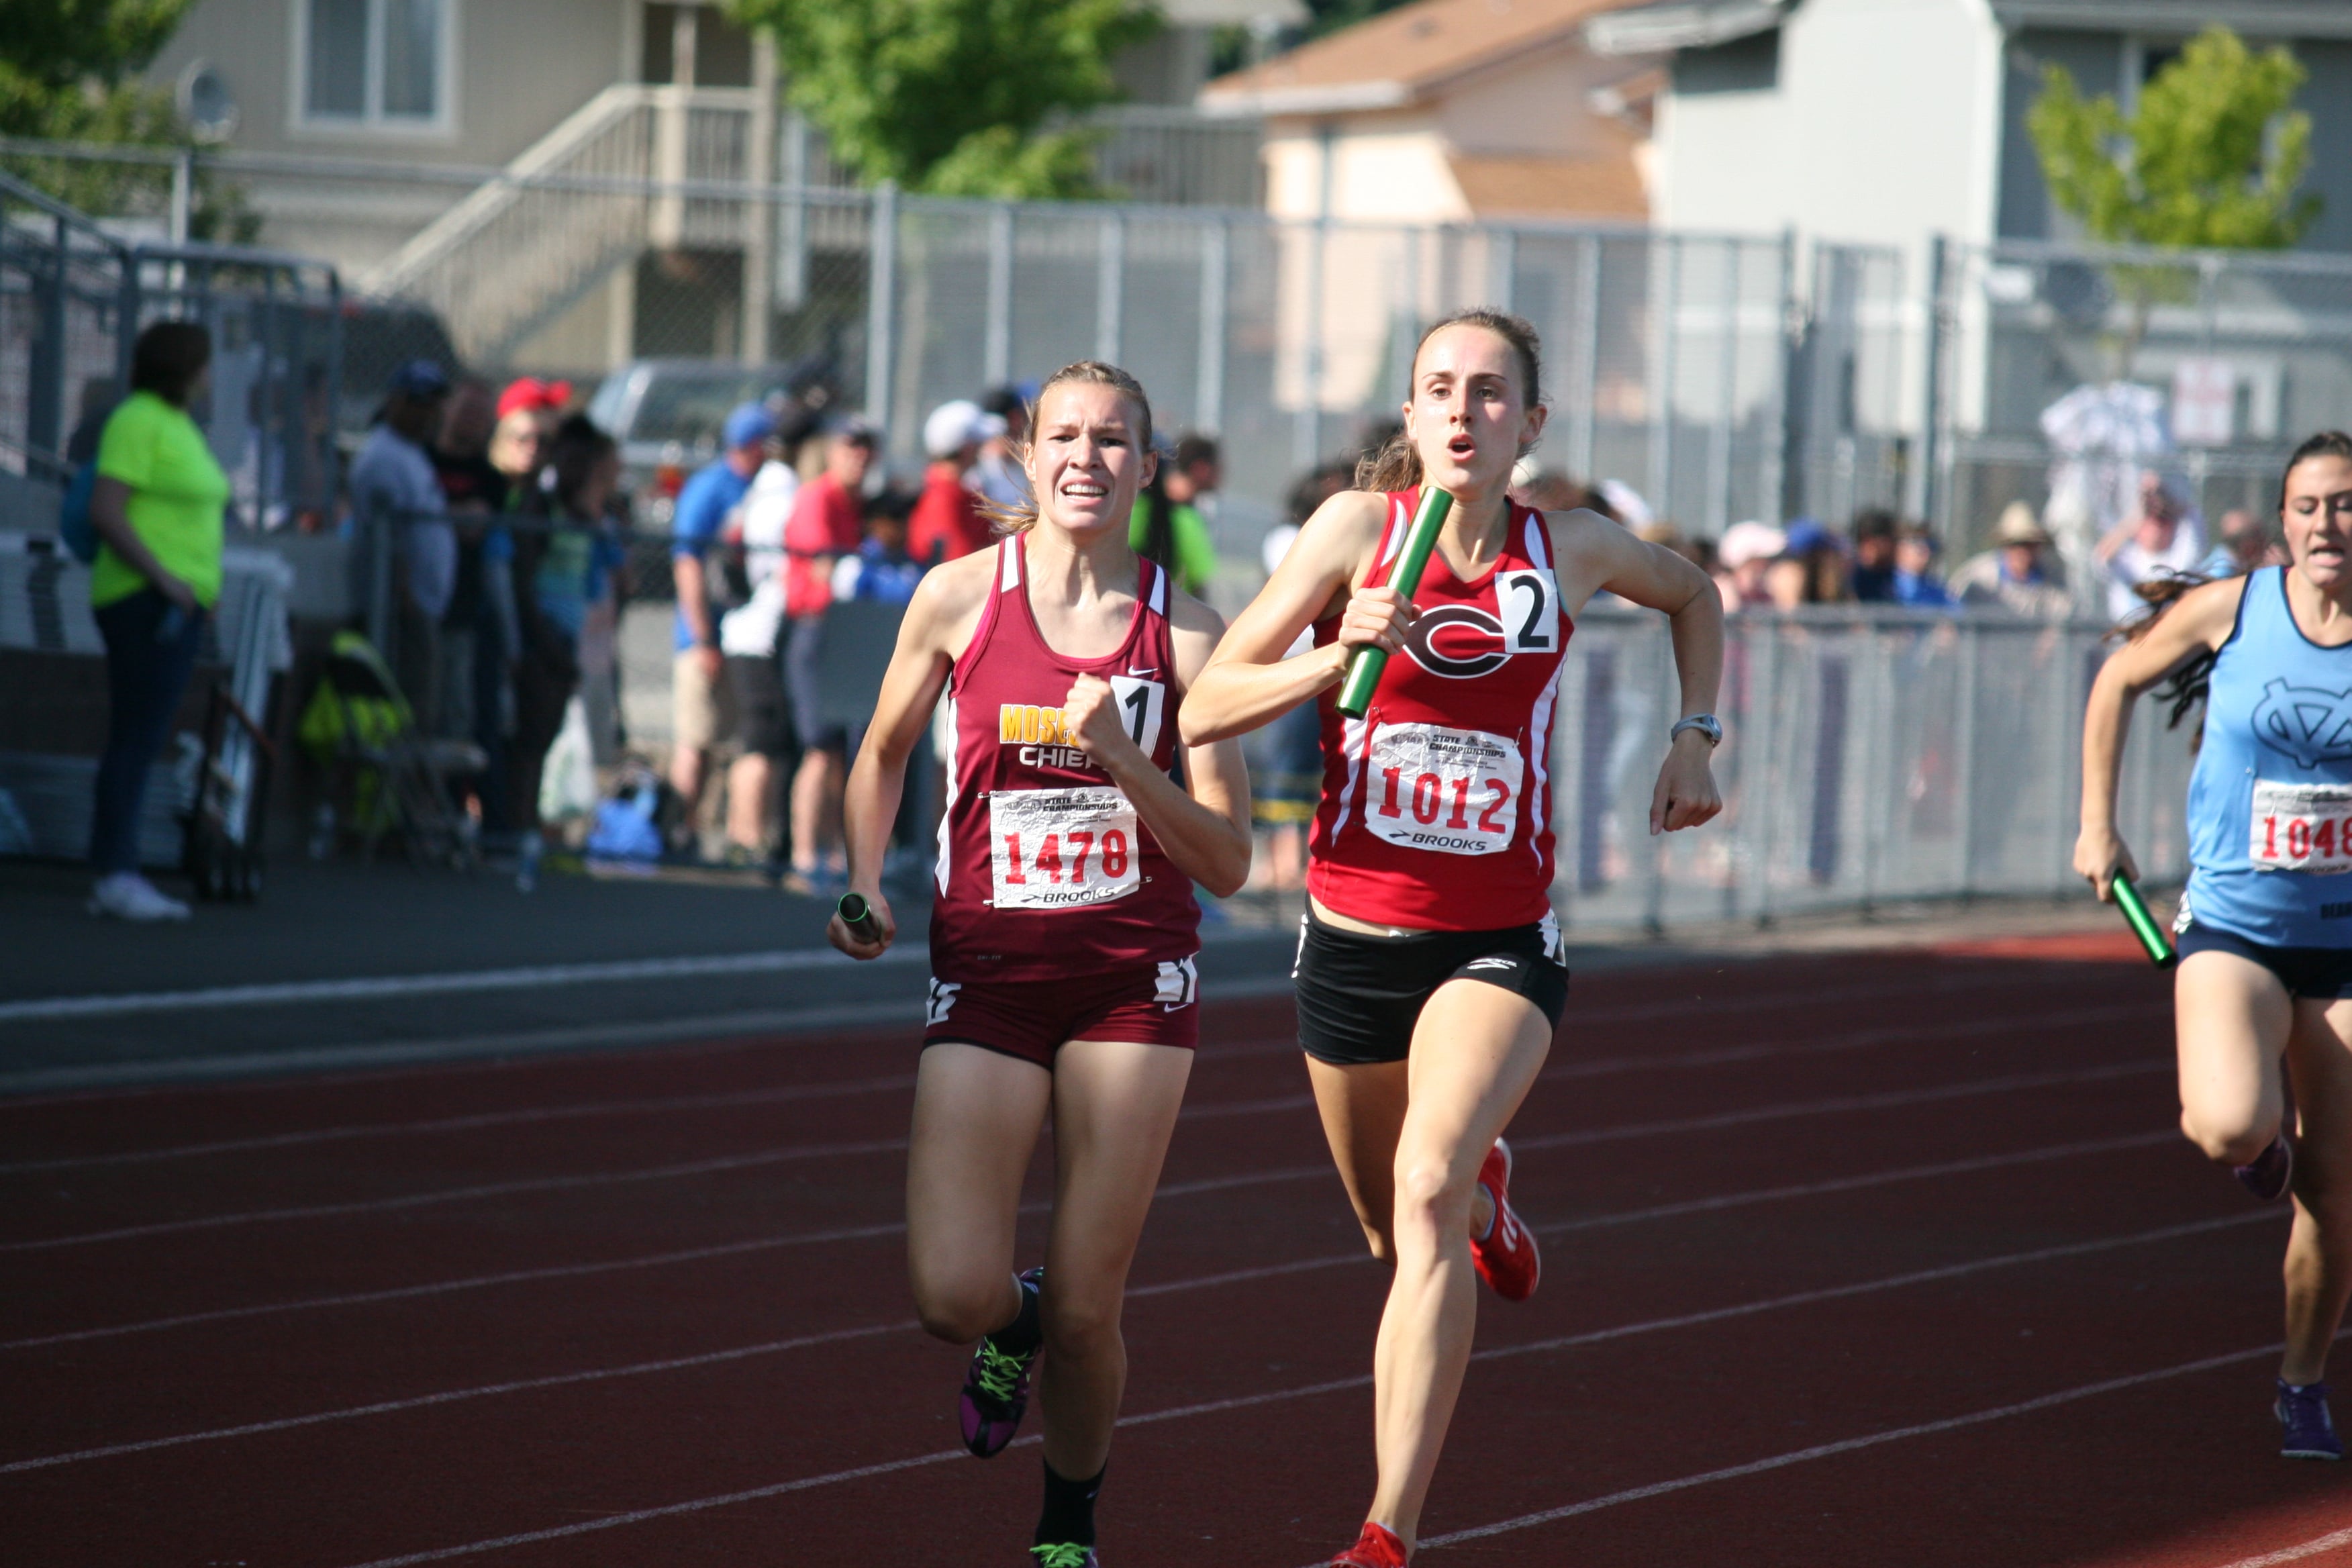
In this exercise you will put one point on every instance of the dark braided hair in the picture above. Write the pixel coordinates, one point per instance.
(2184, 690)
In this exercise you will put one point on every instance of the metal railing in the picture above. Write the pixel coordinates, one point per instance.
(2060, 372)
(73, 297)
(1867, 759)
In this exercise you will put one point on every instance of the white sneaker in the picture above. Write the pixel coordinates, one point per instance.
(128, 895)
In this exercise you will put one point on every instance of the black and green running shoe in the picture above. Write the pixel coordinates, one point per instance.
(996, 1390)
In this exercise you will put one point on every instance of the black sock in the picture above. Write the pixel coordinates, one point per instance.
(1025, 1333)
(1069, 1511)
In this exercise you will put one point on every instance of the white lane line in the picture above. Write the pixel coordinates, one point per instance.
(365, 1060)
(451, 1396)
(362, 1061)
(474, 1122)
(403, 987)
(1876, 1439)
(561, 1184)
(1337, 1385)
(459, 1195)
(1596, 1336)
(1860, 1040)
(1892, 1099)
(2296, 1553)
(1591, 1068)
(861, 1233)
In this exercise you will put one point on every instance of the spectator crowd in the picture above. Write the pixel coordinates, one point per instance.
(790, 553)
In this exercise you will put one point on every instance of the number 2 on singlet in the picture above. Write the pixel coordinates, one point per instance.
(1453, 791)
(2301, 828)
(1057, 849)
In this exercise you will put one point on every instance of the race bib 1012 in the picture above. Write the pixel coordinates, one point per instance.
(1057, 849)
(2302, 827)
(1453, 790)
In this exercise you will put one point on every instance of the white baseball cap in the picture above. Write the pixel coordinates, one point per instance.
(1746, 541)
(952, 426)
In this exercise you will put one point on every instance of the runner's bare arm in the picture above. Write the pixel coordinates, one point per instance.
(2198, 622)
(1597, 555)
(939, 619)
(1204, 827)
(1247, 682)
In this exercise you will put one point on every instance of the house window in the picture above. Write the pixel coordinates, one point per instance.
(375, 62)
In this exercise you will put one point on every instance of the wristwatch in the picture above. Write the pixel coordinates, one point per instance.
(1707, 725)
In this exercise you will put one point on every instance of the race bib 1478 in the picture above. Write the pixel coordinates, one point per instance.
(1453, 790)
(1055, 849)
(2302, 827)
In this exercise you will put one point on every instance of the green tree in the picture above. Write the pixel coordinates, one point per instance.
(954, 97)
(2212, 156)
(2209, 159)
(68, 72)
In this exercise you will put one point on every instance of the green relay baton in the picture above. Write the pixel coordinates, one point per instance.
(1365, 665)
(2151, 935)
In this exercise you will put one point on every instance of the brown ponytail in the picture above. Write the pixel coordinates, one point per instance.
(1397, 466)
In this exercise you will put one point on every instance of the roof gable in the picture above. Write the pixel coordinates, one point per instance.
(1396, 57)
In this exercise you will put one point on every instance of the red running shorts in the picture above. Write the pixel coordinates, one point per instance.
(1155, 1005)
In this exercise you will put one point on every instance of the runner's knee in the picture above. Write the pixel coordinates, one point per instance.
(1429, 1196)
(2229, 1137)
(1080, 1325)
(961, 1310)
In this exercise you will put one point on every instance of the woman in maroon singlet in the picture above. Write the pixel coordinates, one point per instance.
(1431, 976)
(1062, 929)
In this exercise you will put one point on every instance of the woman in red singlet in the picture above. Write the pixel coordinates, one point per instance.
(1431, 976)
(1062, 931)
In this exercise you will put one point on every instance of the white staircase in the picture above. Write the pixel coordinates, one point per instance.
(583, 202)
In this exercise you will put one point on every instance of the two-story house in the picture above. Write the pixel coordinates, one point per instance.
(370, 132)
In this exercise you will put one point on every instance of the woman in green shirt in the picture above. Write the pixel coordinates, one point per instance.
(156, 508)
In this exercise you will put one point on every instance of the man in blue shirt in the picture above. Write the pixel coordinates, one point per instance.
(701, 701)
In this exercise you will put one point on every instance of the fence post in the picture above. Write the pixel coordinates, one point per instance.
(1110, 286)
(1668, 292)
(1779, 427)
(183, 193)
(996, 353)
(1585, 375)
(1306, 432)
(792, 214)
(1504, 266)
(1964, 761)
(45, 393)
(881, 296)
(1209, 397)
(1931, 422)
(1719, 456)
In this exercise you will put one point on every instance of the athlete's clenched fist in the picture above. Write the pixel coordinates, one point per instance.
(1090, 717)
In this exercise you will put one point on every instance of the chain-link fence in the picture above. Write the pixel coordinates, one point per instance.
(73, 297)
(2060, 374)
(1845, 379)
(645, 232)
(1867, 759)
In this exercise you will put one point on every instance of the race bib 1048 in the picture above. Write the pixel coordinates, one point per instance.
(1453, 790)
(1057, 848)
(2302, 827)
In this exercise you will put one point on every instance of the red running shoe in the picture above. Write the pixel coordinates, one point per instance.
(1377, 1547)
(1508, 1259)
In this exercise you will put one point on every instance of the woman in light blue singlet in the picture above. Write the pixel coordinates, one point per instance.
(2265, 926)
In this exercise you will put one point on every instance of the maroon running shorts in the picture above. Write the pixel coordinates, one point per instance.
(1158, 1005)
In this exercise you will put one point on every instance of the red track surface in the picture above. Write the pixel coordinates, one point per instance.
(650, 1309)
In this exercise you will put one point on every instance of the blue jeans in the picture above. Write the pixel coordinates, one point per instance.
(150, 650)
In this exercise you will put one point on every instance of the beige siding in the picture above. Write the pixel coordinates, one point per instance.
(520, 68)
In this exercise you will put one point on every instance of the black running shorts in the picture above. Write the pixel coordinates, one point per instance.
(2319, 972)
(1360, 996)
